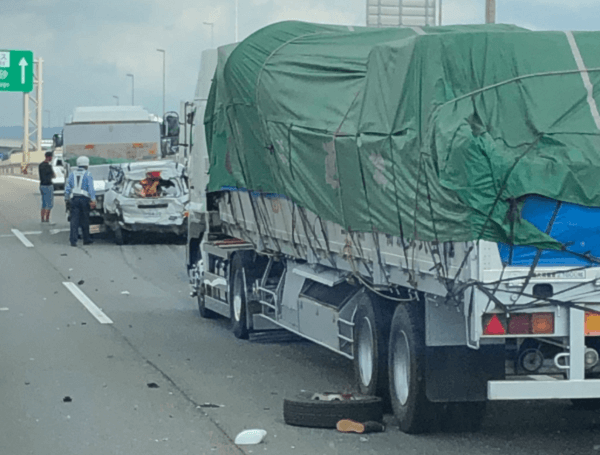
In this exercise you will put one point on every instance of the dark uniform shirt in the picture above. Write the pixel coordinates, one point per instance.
(46, 172)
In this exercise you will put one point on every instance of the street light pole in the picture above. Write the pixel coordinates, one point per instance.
(117, 98)
(164, 53)
(48, 111)
(490, 11)
(132, 99)
(212, 28)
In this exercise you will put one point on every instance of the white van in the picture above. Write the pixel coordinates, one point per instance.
(59, 171)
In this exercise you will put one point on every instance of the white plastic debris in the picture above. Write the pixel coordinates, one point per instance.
(363, 439)
(125, 292)
(248, 437)
(3, 309)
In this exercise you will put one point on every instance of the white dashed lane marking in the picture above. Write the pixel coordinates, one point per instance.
(86, 302)
(18, 234)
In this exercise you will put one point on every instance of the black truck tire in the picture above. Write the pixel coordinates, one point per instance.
(237, 299)
(205, 313)
(371, 338)
(463, 417)
(413, 411)
(303, 411)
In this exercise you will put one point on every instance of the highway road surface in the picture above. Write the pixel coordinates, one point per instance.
(103, 352)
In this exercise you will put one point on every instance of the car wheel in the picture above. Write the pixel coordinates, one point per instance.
(119, 236)
(326, 410)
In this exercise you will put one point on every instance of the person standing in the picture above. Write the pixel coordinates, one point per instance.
(79, 198)
(46, 174)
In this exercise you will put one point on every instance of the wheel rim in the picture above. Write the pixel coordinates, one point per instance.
(237, 298)
(401, 367)
(365, 351)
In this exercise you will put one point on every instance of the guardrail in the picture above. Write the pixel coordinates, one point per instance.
(15, 169)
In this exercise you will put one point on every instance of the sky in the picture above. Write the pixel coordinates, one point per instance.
(89, 46)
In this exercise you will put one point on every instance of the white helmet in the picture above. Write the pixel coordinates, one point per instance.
(83, 161)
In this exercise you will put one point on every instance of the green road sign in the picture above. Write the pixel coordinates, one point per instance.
(16, 71)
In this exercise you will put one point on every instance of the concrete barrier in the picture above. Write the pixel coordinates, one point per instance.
(15, 169)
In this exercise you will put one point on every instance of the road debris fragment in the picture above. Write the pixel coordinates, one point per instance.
(211, 405)
(249, 437)
(125, 292)
(80, 282)
(67, 399)
(152, 385)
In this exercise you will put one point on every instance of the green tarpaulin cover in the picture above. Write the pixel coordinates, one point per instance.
(432, 133)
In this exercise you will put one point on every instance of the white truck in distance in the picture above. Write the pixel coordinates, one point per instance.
(111, 135)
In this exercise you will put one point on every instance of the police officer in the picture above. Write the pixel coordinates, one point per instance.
(80, 197)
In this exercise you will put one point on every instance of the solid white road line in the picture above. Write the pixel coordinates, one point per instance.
(22, 238)
(21, 178)
(91, 306)
(58, 231)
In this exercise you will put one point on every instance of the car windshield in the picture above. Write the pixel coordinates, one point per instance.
(154, 188)
(99, 172)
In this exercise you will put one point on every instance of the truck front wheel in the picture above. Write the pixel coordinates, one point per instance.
(406, 368)
(237, 299)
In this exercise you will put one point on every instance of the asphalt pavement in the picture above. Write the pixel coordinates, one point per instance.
(103, 352)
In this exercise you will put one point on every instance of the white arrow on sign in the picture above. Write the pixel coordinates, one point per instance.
(23, 63)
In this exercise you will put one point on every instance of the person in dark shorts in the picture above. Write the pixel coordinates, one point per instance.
(46, 187)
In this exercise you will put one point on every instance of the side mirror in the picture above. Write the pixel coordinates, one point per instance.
(190, 117)
(171, 124)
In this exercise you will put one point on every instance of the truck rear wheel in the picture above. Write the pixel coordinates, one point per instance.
(406, 368)
(371, 339)
(237, 299)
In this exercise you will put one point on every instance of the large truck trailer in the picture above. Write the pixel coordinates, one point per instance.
(422, 201)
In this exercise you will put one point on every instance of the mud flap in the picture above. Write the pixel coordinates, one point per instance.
(458, 373)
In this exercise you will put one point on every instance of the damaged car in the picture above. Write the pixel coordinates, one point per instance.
(146, 196)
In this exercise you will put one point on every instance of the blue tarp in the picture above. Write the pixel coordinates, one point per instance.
(575, 226)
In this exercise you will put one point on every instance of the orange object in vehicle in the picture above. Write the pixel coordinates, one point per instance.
(150, 184)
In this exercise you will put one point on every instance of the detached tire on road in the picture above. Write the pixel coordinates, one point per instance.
(303, 411)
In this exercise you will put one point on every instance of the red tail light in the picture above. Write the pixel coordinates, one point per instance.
(494, 326)
(542, 323)
(520, 324)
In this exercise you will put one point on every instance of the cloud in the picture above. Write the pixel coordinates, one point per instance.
(88, 47)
